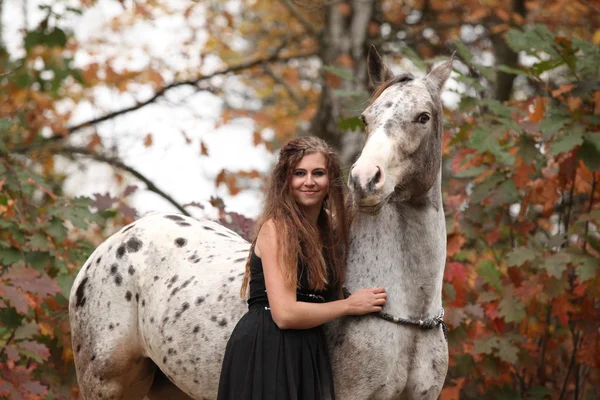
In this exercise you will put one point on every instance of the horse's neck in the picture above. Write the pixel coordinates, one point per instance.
(402, 249)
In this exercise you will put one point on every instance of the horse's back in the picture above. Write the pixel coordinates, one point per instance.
(165, 288)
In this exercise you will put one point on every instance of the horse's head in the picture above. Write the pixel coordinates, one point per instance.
(402, 155)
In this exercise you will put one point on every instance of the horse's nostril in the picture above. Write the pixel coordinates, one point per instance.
(377, 176)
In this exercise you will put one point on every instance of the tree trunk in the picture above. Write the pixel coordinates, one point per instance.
(344, 38)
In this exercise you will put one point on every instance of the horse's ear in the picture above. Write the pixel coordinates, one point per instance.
(440, 74)
(378, 71)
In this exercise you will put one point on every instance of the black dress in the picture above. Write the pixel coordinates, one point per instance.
(264, 362)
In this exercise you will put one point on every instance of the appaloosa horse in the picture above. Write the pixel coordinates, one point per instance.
(152, 308)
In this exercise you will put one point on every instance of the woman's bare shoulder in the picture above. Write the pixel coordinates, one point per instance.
(266, 237)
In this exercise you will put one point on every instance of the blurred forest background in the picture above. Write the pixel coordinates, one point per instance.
(521, 160)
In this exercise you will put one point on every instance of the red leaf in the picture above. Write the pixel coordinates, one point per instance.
(455, 270)
(561, 309)
(15, 297)
(35, 348)
(27, 280)
(454, 244)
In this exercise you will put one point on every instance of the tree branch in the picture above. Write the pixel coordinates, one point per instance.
(274, 57)
(303, 21)
(70, 150)
(278, 79)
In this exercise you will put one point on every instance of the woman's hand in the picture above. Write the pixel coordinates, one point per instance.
(366, 301)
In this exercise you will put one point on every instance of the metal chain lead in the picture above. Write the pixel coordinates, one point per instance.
(428, 323)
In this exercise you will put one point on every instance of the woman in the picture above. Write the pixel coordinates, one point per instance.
(295, 272)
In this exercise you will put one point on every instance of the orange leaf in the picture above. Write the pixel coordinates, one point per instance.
(574, 103)
(452, 392)
(502, 14)
(522, 174)
(538, 112)
(454, 244)
(203, 149)
(562, 89)
(345, 9)
(148, 140)
(344, 60)
(597, 102)
(492, 236)
(561, 309)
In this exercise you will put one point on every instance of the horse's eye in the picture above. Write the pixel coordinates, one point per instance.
(423, 118)
(405, 79)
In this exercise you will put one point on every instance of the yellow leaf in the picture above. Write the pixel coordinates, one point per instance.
(46, 329)
(596, 37)
(538, 111)
(67, 355)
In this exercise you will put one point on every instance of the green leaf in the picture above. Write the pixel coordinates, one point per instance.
(587, 267)
(507, 351)
(342, 73)
(593, 138)
(538, 393)
(463, 50)
(490, 274)
(66, 282)
(10, 256)
(556, 264)
(38, 241)
(520, 256)
(510, 307)
(590, 155)
(566, 142)
(471, 172)
(555, 120)
(349, 93)
(351, 124)
(485, 345)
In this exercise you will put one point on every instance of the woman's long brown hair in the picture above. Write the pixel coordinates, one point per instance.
(296, 236)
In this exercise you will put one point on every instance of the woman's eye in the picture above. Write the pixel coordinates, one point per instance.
(299, 173)
(423, 118)
(319, 173)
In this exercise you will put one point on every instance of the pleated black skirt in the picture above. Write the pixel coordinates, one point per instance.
(264, 362)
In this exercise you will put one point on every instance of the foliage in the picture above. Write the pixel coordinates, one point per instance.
(520, 180)
(521, 192)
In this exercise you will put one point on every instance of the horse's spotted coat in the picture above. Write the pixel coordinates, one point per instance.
(164, 288)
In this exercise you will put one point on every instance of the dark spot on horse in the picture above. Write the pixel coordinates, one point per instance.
(98, 260)
(164, 359)
(213, 318)
(240, 260)
(165, 320)
(143, 303)
(163, 259)
(183, 224)
(186, 283)
(134, 244)
(388, 104)
(220, 297)
(131, 270)
(170, 339)
(155, 278)
(118, 279)
(151, 320)
(93, 358)
(171, 351)
(174, 217)
(421, 287)
(222, 234)
(137, 297)
(231, 278)
(120, 251)
(223, 322)
(111, 327)
(180, 242)
(128, 228)
(199, 300)
(434, 365)
(79, 293)
(388, 127)
(196, 329)
(113, 269)
(185, 306)
(208, 228)
(128, 296)
(196, 381)
(78, 348)
(424, 392)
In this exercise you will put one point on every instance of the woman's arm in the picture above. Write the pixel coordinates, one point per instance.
(291, 314)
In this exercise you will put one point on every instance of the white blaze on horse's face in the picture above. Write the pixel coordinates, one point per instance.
(404, 135)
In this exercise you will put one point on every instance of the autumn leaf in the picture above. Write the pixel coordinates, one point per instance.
(203, 149)
(148, 140)
(520, 256)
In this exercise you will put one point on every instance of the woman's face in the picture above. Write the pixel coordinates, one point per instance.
(310, 183)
